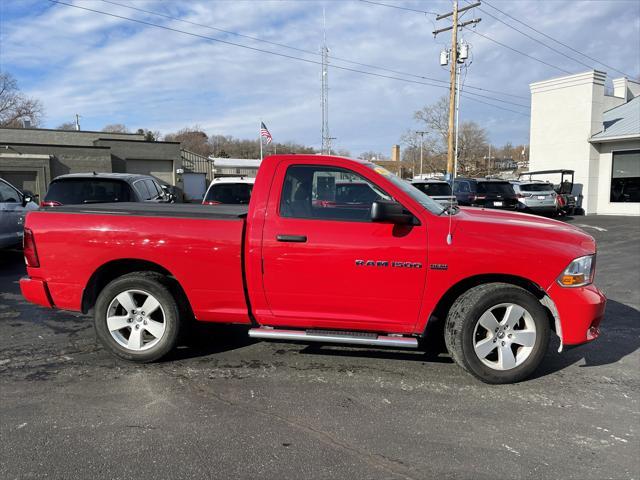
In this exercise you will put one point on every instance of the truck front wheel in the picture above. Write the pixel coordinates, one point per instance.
(498, 332)
(137, 318)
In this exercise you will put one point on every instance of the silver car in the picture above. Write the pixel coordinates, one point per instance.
(14, 206)
(536, 196)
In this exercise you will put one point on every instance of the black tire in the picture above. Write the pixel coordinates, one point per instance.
(464, 315)
(154, 284)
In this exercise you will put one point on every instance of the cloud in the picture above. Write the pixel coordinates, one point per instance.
(112, 70)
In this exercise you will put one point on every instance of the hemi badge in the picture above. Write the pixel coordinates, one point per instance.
(438, 266)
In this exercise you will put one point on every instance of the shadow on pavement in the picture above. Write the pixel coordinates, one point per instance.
(620, 336)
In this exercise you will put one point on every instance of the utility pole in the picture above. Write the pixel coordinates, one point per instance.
(421, 144)
(453, 57)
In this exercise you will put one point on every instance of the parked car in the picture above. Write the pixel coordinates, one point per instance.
(229, 190)
(14, 206)
(566, 201)
(439, 190)
(83, 188)
(484, 192)
(293, 269)
(536, 197)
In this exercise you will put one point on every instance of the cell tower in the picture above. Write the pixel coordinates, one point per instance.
(326, 137)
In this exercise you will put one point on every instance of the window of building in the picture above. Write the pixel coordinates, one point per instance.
(625, 177)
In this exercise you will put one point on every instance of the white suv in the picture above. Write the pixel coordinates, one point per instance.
(229, 190)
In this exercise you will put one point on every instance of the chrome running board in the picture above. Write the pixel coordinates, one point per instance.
(334, 336)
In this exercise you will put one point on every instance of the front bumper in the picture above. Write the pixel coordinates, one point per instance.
(35, 291)
(580, 310)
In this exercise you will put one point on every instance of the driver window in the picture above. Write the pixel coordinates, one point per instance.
(328, 193)
(8, 194)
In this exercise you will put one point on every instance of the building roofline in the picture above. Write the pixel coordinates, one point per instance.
(24, 155)
(605, 139)
(71, 131)
(63, 145)
(588, 77)
(137, 141)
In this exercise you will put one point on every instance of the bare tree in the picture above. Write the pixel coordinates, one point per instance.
(434, 120)
(372, 156)
(115, 128)
(192, 139)
(149, 136)
(472, 148)
(15, 107)
(66, 126)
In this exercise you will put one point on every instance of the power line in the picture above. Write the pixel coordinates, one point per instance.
(310, 52)
(533, 38)
(495, 106)
(491, 39)
(284, 55)
(557, 41)
(519, 51)
(398, 7)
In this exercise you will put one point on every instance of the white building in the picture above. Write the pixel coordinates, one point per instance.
(575, 125)
(233, 167)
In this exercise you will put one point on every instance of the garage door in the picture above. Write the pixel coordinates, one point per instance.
(23, 181)
(161, 169)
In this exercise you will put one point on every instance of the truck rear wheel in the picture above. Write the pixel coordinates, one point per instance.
(137, 318)
(498, 332)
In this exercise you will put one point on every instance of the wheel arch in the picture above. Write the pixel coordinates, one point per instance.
(443, 306)
(117, 268)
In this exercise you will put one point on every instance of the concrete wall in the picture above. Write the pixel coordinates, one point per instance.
(14, 163)
(59, 137)
(565, 112)
(604, 206)
(50, 161)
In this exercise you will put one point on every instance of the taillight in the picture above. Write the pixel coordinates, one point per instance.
(211, 202)
(50, 203)
(29, 249)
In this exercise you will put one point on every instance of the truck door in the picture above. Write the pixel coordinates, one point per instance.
(327, 265)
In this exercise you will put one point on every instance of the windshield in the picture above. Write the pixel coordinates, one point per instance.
(234, 193)
(88, 190)
(503, 188)
(434, 189)
(536, 187)
(409, 189)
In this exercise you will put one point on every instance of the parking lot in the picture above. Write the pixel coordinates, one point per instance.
(225, 406)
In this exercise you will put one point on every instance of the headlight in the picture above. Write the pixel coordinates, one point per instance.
(579, 273)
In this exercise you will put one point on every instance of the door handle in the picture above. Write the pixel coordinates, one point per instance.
(291, 238)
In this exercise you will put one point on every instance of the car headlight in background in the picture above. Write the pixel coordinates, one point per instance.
(579, 273)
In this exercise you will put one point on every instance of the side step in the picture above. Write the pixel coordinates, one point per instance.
(334, 336)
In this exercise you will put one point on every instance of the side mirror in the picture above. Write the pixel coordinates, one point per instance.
(388, 211)
(28, 197)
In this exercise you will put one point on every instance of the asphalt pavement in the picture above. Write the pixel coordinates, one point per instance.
(224, 406)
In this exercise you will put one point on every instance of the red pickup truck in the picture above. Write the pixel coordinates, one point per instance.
(302, 264)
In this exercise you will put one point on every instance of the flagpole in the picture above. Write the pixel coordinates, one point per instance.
(260, 139)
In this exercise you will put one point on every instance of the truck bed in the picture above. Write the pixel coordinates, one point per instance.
(180, 210)
(199, 245)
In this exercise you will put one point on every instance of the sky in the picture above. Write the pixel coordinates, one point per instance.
(113, 70)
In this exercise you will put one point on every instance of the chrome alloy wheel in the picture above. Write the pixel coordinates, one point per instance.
(504, 336)
(136, 320)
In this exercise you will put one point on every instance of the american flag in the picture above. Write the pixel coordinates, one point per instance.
(264, 132)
